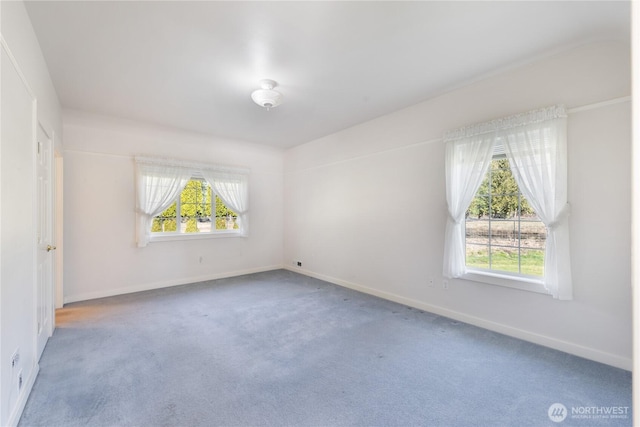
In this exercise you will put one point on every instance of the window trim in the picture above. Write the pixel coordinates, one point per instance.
(222, 234)
(504, 279)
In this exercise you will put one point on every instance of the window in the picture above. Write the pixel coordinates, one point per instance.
(493, 232)
(194, 212)
(179, 199)
(502, 231)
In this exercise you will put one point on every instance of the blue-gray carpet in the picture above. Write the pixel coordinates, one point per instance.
(282, 349)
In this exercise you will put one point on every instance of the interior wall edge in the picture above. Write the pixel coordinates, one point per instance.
(141, 287)
(546, 341)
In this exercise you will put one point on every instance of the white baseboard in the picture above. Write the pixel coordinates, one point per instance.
(164, 284)
(565, 346)
(14, 418)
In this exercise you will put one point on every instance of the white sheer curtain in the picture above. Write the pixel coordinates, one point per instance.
(536, 145)
(232, 188)
(158, 185)
(467, 161)
(537, 153)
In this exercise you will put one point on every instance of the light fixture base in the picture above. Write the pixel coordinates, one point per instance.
(268, 84)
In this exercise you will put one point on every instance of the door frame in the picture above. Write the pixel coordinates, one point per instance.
(58, 225)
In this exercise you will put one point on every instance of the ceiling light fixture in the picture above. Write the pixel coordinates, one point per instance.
(267, 97)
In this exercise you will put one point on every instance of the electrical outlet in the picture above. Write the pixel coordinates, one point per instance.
(445, 284)
(299, 264)
(20, 380)
(15, 358)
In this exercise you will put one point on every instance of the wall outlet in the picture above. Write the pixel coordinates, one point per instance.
(15, 358)
(299, 263)
(445, 284)
(20, 380)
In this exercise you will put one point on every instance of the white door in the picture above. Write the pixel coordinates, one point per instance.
(45, 241)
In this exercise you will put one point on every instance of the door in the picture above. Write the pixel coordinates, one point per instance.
(45, 241)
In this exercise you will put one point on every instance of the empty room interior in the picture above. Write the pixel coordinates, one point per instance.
(316, 213)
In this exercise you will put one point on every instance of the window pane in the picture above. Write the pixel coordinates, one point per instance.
(162, 225)
(504, 206)
(532, 261)
(477, 231)
(504, 190)
(504, 259)
(502, 230)
(479, 207)
(166, 221)
(478, 256)
(204, 225)
(505, 233)
(534, 234)
(226, 219)
(195, 206)
(484, 187)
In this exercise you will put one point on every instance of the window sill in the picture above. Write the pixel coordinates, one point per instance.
(195, 236)
(509, 281)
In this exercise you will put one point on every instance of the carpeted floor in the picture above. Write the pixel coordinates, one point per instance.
(282, 349)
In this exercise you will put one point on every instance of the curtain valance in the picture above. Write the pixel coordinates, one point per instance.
(510, 122)
(193, 166)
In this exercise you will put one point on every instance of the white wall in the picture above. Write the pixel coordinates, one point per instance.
(366, 207)
(17, 199)
(18, 33)
(101, 257)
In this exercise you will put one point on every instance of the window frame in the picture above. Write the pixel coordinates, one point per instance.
(178, 235)
(505, 279)
(508, 279)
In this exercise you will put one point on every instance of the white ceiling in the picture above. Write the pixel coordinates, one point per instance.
(193, 65)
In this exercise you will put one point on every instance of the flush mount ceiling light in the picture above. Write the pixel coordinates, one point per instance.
(267, 97)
